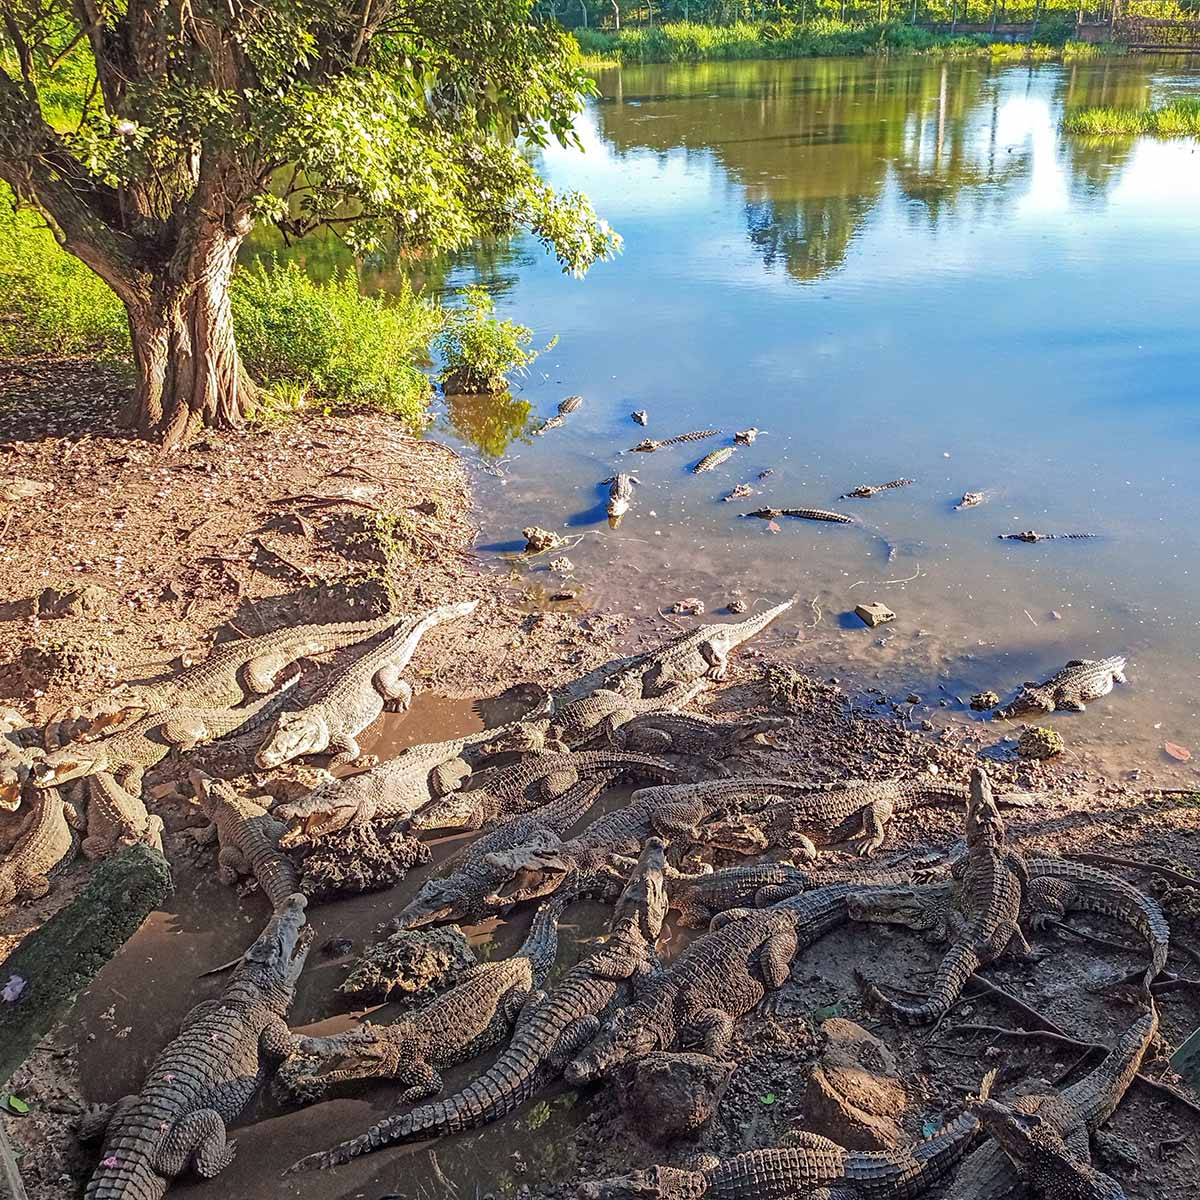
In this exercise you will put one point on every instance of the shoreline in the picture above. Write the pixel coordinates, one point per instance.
(207, 540)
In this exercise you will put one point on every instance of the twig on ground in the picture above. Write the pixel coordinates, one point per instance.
(1116, 861)
(271, 552)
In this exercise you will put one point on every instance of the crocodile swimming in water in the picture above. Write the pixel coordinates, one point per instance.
(620, 495)
(1071, 689)
(713, 460)
(649, 445)
(865, 491)
(1032, 535)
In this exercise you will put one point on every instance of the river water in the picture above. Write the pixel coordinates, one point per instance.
(892, 269)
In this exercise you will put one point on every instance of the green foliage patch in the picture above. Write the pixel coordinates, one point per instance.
(1178, 118)
(480, 352)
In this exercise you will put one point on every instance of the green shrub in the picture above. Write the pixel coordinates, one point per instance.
(332, 341)
(1055, 30)
(1179, 118)
(478, 351)
(50, 303)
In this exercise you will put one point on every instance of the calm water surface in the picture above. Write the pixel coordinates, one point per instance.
(892, 269)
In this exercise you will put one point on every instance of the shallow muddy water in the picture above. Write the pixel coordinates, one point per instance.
(891, 269)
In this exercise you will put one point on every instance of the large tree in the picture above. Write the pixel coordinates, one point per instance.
(155, 133)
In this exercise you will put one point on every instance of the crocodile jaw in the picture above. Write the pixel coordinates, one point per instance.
(309, 827)
(294, 735)
(64, 766)
(900, 906)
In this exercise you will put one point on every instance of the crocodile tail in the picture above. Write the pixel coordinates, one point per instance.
(1097, 1095)
(541, 943)
(121, 1176)
(956, 968)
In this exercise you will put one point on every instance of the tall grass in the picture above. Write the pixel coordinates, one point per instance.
(688, 41)
(1179, 118)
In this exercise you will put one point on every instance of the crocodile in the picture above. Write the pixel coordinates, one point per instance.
(144, 744)
(1080, 681)
(45, 847)
(459, 1024)
(1056, 886)
(698, 898)
(713, 459)
(548, 1031)
(569, 404)
(803, 514)
(1041, 1157)
(718, 978)
(555, 422)
(865, 491)
(741, 491)
(248, 836)
(1074, 1113)
(690, 733)
(649, 445)
(856, 811)
(1032, 535)
(746, 437)
(231, 673)
(203, 1079)
(970, 500)
(807, 1167)
(16, 762)
(393, 789)
(117, 818)
(992, 887)
(701, 654)
(461, 893)
(620, 495)
(354, 695)
(508, 791)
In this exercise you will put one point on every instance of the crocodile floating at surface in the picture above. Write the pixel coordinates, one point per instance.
(1032, 535)
(649, 445)
(865, 491)
(548, 1031)
(470, 1018)
(1074, 1113)
(992, 885)
(1071, 689)
(713, 459)
(620, 496)
(807, 1167)
(803, 514)
(205, 1077)
(970, 500)
(354, 695)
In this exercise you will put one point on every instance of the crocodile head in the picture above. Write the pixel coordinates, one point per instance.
(629, 1036)
(458, 810)
(438, 900)
(740, 834)
(325, 810)
(276, 957)
(638, 1185)
(917, 908)
(360, 1053)
(1030, 699)
(295, 734)
(74, 761)
(748, 732)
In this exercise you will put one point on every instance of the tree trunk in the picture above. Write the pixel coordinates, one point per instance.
(189, 374)
(616, 15)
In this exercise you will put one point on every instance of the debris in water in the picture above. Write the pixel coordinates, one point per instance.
(691, 607)
(1178, 752)
(768, 471)
(982, 701)
(736, 606)
(874, 614)
(538, 540)
(562, 566)
(12, 989)
(1040, 742)
(642, 417)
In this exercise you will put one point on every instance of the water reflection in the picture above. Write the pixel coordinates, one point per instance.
(489, 423)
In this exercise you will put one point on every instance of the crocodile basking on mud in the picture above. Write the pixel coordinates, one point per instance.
(471, 877)
(456, 1026)
(806, 1167)
(130, 752)
(354, 695)
(1071, 689)
(548, 1031)
(855, 811)
(1056, 886)
(1074, 1113)
(992, 883)
(690, 733)
(698, 898)
(117, 818)
(701, 654)
(248, 836)
(44, 847)
(620, 496)
(203, 1079)
(649, 445)
(509, 791)
(232, 672)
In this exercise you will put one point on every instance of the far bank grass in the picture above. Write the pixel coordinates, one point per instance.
(688, 41)
(1179, 118)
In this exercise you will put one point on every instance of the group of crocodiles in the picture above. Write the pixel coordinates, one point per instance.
(530, 789)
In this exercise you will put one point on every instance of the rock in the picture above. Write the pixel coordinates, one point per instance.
(982, 701)
(558, 597)
(537, 539)
(745, 437)
(642, 417)
(736, 606)
(668, 1096)
(913, 698)
(1115, 1150)
(1040, 742)
(854, 1093)
(409, 963)
(874, 614)
(691, 607)
(76, 602)
(359, 859)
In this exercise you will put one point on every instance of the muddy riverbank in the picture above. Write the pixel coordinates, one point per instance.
(253, 530)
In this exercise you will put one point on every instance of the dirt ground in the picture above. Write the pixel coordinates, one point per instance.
(332, 518)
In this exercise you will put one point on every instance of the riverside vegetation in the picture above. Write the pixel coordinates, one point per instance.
(1178, 118)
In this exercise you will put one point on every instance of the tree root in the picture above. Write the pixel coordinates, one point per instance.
(1114, 860)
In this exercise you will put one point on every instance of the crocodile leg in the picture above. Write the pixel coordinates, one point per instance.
(772, 893)
(715, 1027)
(875, 818)
(775, 958)
(425, 1082)
(231, 865)
(392, 687)
(718, 662)
(345, 749)
(575, 1035)
(198, 1138)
